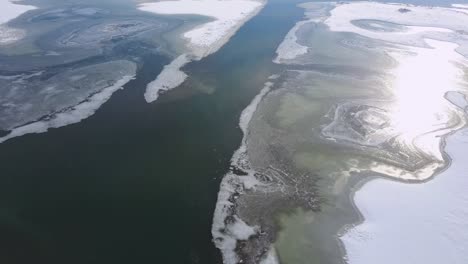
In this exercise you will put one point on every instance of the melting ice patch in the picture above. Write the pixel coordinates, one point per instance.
(457, 98)
(31, 96)
(9, 10)
(170, 77)
(71, 115)
(30, 103)
(289, 49)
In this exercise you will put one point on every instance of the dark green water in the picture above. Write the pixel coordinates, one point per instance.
(137, 182)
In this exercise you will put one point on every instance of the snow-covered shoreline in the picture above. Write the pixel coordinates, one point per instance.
(425, 222)
(414, 223)
(226, 235)
(290, 49)
(228, 16)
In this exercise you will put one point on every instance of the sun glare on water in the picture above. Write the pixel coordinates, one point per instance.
(421, 81)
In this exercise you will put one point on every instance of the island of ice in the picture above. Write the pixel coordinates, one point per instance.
(228, 16)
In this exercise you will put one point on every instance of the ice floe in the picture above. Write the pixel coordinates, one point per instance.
(170, 77)
(71, 115)
(228, 16)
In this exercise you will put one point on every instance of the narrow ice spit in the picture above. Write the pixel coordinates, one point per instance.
(228, 16)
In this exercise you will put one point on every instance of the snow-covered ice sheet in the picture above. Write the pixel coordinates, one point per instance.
(414, 223)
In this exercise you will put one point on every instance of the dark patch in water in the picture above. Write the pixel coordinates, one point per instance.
(4, 133)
